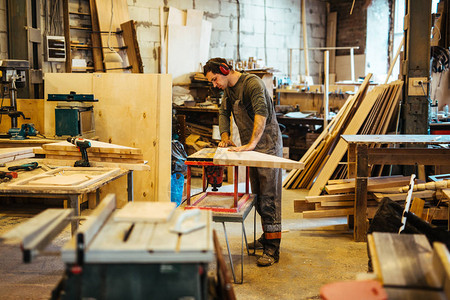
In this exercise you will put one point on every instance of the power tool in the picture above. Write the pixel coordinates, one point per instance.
(214, 174)
(7, 176)
(82, 145)
(25, 167)
(12, 76)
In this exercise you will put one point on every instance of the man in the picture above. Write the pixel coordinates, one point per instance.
(247, 99)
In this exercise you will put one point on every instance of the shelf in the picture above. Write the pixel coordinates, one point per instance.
(79, 13)
(83, 68)
(83, 46)
(81, 28)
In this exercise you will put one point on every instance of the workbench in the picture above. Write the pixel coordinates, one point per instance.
(141, 260)
(311, 100)
(231, 207)
(73, 196)
(29, 142)
(365, 150)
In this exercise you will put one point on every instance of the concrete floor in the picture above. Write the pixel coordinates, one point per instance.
(310, 257)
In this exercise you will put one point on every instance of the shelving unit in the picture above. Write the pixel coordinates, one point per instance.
(82, 36)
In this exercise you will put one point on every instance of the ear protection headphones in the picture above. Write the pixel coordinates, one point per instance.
(223, 67)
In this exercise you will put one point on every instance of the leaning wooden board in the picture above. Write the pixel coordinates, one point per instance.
(404, 260)
(223, 156)
(119, 15)
(66, 178)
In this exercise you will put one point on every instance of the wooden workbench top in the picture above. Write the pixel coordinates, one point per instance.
(221, 156)
(397, 139)
(29, 189)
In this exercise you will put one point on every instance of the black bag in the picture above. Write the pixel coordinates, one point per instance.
(179, 156)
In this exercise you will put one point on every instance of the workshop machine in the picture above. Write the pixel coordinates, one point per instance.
(13, 76)
(146, 250)
(74, 114)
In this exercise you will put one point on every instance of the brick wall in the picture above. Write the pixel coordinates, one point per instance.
(283, 29)
(351, 29)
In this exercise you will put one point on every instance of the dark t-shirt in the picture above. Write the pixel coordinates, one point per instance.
(256, 100)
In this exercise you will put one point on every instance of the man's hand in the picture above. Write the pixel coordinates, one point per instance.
(226, 143)
(246, 147)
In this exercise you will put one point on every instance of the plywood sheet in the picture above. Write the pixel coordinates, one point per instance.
(183, 49)
(187, 38)
(153, 212)
(68, 178)
(176, 17)
(205, 40)
(343, 71)
(31, 108)
(8, 152)
(133, 110)
(194, 17)
(61, 179)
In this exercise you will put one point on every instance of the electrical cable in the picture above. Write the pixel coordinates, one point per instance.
(110, 26)
(265, 33)
(3, 98)
(238, 30)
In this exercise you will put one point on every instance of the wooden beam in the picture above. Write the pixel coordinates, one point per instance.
(305, 39)
(130, 40)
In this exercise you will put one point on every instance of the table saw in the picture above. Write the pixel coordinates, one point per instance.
(146, 250)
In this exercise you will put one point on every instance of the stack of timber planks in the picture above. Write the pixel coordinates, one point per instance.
(340, 198)
(98, 152)
(365, 112)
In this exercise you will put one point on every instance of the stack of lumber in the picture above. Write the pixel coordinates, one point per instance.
(98, 152)
(197, 129)
(364, 113)
(340, 198)
(196, 142)
(12, 154)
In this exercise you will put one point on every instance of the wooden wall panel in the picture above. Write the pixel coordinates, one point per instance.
(32, 108)
(133, 110)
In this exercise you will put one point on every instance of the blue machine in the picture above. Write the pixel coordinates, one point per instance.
(73, 115)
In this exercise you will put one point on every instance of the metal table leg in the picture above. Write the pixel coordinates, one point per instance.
(242, 251)
(254, 230)
(74, 203)
(97, 197)
(243, 235)
(229, 252)
(130, 185)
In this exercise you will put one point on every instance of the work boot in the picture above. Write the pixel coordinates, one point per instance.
(267, 260)
(256, 245)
